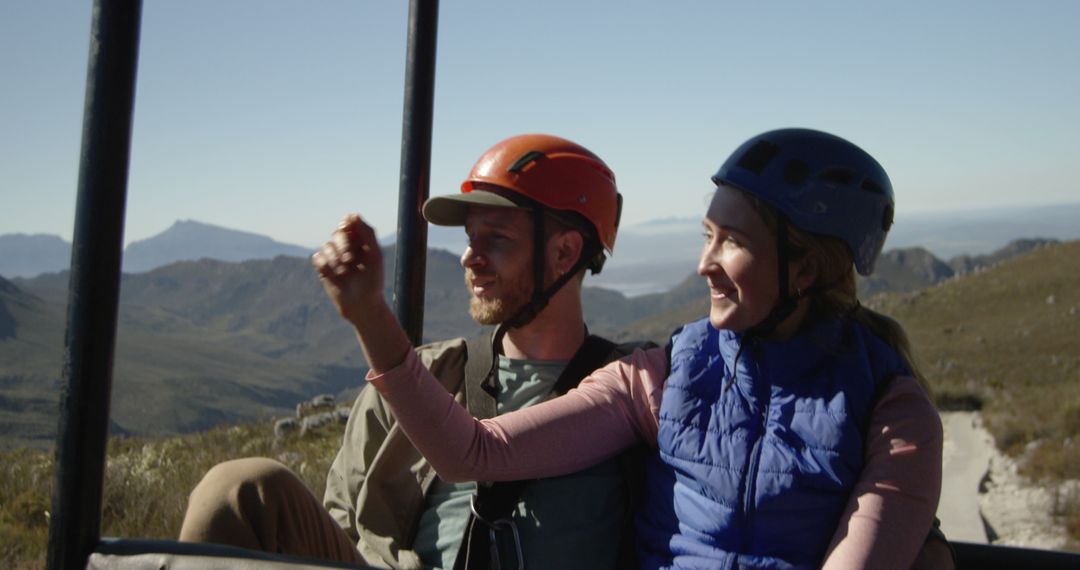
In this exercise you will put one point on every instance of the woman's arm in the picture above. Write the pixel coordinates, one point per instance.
(350, 267)
(607, 413)
(612, 409)
(893, 504)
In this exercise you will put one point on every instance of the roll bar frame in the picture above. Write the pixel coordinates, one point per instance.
(97, 250)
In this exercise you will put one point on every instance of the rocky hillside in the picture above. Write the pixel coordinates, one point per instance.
(1003, 339)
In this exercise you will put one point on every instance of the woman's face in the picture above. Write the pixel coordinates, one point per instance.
(738, 262)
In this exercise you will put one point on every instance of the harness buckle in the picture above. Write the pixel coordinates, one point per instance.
(498, 525)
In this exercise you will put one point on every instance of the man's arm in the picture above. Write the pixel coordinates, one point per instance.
(365, 432)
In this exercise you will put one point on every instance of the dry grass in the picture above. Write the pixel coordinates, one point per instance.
(1005, 341)
(147, 482)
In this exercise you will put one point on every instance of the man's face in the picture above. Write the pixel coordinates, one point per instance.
(498, 262)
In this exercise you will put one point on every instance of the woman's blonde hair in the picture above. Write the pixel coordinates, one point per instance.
(834, 292)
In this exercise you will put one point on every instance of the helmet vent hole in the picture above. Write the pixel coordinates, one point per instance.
(871, 186)
(887, 218)
(522, 164)
(837, 177)
(796, 172)
(758, 157)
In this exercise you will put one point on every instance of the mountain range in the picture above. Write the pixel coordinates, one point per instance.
(200, 343)
(650, 257)
(206, 342)
(217, 325)
(28, 255)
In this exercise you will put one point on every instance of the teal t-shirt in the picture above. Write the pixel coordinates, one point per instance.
(564, 522)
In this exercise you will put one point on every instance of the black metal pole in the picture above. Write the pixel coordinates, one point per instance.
(94, 290)
(411, 251)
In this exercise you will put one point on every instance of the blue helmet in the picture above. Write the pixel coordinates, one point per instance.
(822, 183)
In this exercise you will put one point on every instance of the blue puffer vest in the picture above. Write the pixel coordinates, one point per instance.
(757, 474)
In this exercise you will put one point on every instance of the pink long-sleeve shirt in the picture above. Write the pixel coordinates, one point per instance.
(884, 525)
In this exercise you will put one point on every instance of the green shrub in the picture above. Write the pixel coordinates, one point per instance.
(952, 400)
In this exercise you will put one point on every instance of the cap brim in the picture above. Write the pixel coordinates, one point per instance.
(451, 210)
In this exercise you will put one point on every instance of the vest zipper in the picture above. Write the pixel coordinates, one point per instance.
(752, 468)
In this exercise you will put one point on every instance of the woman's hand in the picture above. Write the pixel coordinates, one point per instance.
(351, 269)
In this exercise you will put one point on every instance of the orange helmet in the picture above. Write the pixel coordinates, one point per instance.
(553, 172)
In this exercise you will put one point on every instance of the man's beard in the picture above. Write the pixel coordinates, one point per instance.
(514, 294)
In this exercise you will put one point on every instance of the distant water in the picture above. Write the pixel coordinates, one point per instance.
(634, 289)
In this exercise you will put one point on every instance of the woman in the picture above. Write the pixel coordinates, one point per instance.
(790, 426)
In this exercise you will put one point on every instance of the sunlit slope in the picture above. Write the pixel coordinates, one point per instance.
(198, 344)
(1006, 338)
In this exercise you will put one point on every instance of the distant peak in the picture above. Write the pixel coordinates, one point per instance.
(193, 224)
(669, 221)
(187, 229)
(20, 236)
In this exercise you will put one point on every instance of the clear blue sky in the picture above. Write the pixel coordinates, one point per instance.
(278, 117)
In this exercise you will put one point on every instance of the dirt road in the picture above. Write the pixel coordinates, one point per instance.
(983, 497)
(967, 453)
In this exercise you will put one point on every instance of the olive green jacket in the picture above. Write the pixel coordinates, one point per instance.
(376, 486)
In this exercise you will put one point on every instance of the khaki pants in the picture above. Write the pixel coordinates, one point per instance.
(259, 504)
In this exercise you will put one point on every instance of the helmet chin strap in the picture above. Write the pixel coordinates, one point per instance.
(785, 302)
(542, 296)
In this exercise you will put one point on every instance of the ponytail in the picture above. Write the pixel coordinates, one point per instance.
(893, 334)
(834, 294)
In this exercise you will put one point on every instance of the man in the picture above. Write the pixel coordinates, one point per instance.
(538, 211)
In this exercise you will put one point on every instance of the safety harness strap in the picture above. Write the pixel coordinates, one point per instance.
(493, 503)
